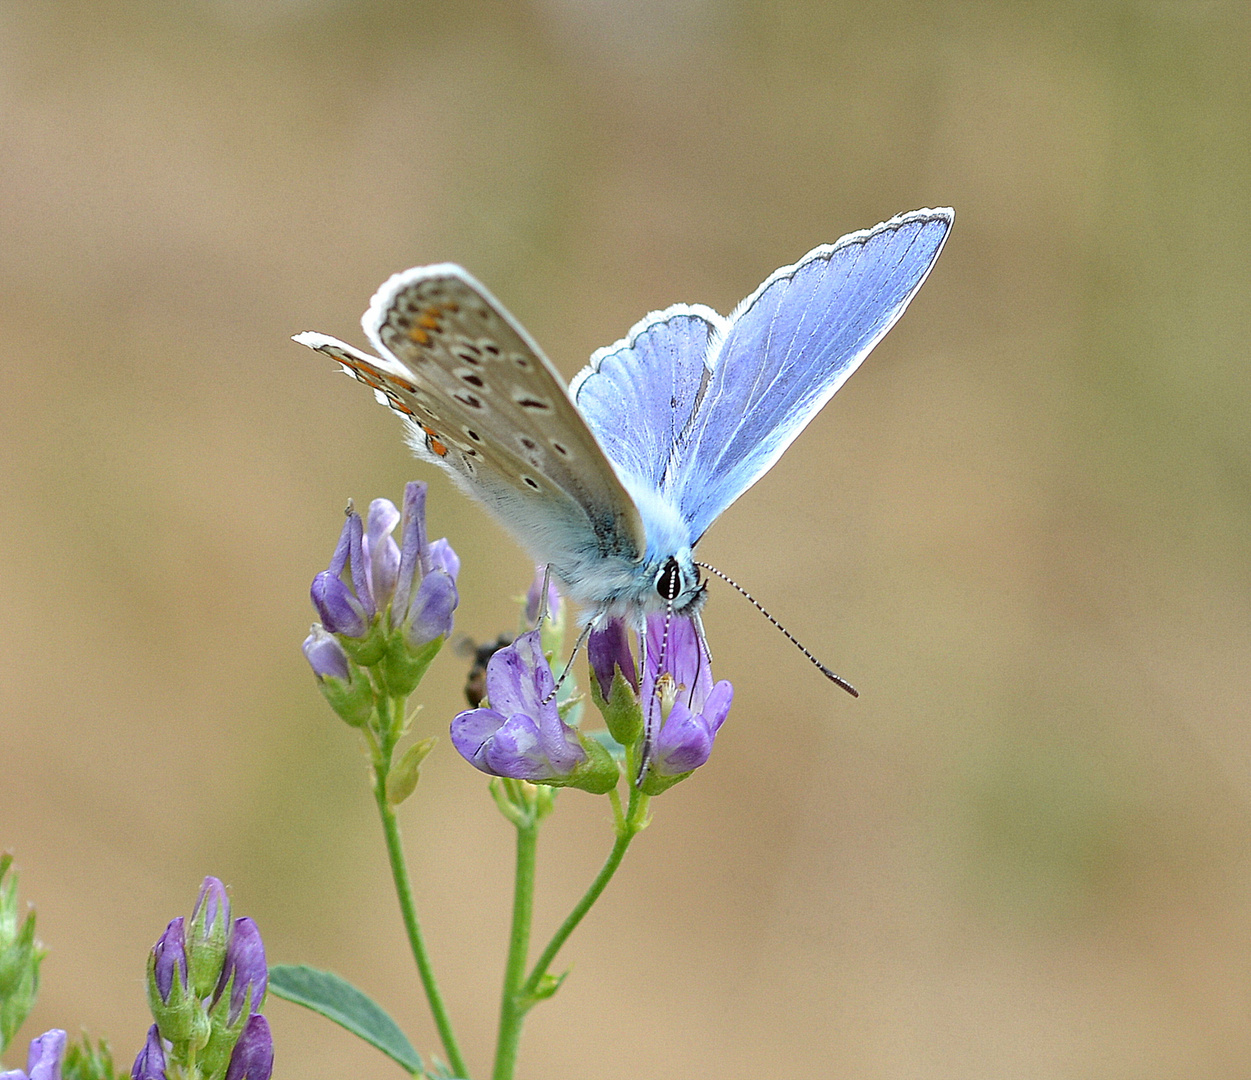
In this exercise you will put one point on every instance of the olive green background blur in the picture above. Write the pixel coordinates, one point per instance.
(1021, 529)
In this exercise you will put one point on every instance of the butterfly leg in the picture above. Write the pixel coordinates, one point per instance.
(543, 612)
(577, 647)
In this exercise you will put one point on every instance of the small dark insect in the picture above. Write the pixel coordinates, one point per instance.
(475, 683)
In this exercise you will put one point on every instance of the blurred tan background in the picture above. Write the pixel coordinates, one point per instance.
(1021, 529)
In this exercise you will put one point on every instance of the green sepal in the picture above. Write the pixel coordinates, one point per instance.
(605, 739)
(622, 712)
(20, 957)
(17, 950)
(598, 774)
(505, 793)
(16, 1006)
(214, 1059)
(206, 950)
(548, 985)
(366, 651)
(524, 802)
(401, 667)
(570, 709)
(352, 698)
(654, 785)
(404, 774)
(181, 1019)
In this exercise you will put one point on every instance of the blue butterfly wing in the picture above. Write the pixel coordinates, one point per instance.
(789, 346)
(638, 397)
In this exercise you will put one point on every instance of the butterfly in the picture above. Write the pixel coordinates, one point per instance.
(612, 481)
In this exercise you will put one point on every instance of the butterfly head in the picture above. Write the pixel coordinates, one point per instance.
(677, 584)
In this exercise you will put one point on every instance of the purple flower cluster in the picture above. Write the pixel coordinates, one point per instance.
(206, 983)
(666, 723)
(382, 604)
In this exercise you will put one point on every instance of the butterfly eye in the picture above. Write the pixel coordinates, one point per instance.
(669, 582)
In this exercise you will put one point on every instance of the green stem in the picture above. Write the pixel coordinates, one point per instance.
(634, 820)
(513, 1004)
(408, 909)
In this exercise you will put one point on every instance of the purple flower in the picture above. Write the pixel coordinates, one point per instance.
(608, 650)
(245, 961)
(425, 592)
(429, 616)
(380, 552)
(680, 699)
(521, 734)
(169, 956)
(150, 1062)
(325, 655)
(43, 1060)
(253, 1055)
(341, 593)
(535, 593)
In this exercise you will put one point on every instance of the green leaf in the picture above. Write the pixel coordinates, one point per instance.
(338, 1000)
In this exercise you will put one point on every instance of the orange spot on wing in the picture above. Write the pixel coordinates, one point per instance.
(432, 440)
(419, 336)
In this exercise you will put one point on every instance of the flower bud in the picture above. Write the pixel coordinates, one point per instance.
(150, 1062)
(429, 616)
(608, 649)
(253, 1056)
(404, 774)
(412, 583)
(244, 973)
(340, 610)
(340, 681)
(175, 1008)
(614, 681)
(239, 994)
(325, 655)
(43, 1059)
(207, 937)
(380, 552)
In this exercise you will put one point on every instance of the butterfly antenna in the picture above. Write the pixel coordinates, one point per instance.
(837, 680)
(645, 752)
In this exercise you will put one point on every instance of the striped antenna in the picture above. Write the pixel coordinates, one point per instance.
(837, 680)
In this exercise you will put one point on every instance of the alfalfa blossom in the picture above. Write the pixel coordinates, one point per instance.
(206, 984)
(674, 714)
(683, 708)
(384, 605)
(519, 733)
(43, 1060)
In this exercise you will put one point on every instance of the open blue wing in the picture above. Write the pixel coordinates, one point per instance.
(638, 395)
(788, 347)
